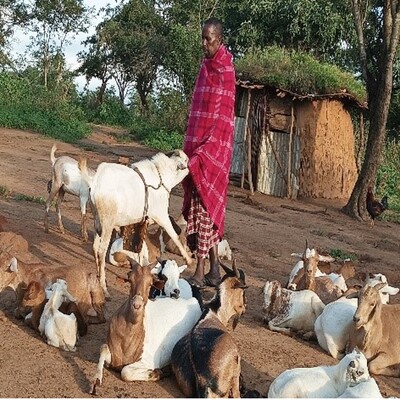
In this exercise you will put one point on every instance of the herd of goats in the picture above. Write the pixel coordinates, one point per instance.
(165, 322)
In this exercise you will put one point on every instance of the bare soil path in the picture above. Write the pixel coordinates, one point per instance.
(263, 231)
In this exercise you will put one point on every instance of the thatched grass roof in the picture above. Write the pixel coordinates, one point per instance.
(299, 75)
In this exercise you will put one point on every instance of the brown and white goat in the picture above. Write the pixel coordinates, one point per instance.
(35, 299)
(143, 333)
(66, 178)
(323, 286)
(206, 361)
(375, 331)
(83, 285)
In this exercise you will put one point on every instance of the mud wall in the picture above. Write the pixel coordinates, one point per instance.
(327, 163)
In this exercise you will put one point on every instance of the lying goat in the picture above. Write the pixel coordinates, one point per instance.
(323, 381)
(83, 285)
(61, 330)
(175, 287)
(375, 331)
(112, 190)
(143, 333)
(206, 361)
(35, 299)
(332, 327)
(66, 178)
(287, 309)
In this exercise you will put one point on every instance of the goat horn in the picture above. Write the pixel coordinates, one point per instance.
(7, 249)
(226, 268)
(235, 270)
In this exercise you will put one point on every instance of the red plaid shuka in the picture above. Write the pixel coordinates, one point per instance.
(209, 136)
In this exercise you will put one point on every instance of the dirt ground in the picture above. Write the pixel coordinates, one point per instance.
(263, 231)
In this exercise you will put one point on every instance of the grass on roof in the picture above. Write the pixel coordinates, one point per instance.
(296, 72)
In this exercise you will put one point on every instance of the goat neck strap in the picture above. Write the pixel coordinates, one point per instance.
(146, 189)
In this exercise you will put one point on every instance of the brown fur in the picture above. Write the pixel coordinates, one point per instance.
(35, 299)
(375, 331)
(125, 336)
(83, 286)
(217, 370)
(321, 285)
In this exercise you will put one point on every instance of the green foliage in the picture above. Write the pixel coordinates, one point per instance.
(109, 112)
(388, 177)
(4, 191)
(32, 199)
(341, 255)
(24, 105)
(153, 136)
(297, 72)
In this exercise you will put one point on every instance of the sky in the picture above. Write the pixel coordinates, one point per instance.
(21, 40)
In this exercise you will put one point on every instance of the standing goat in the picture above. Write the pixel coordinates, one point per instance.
(66, 178)
(206, 362)
(61, 330)
(122, 196)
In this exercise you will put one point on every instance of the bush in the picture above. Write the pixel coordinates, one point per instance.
(24, 105)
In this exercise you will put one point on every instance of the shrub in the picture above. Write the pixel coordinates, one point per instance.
(25, 105)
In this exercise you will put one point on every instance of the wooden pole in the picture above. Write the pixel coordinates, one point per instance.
(246, 124)
(289, 181)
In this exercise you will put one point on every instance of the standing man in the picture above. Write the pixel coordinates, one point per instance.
(209, 144)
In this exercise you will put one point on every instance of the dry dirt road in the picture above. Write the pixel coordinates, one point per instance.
(263, 231)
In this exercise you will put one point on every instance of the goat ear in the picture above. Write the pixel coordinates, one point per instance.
(392, 290)
(380, 286)
(326, 258)
(13, 267)
(155, 270)
(182, 268)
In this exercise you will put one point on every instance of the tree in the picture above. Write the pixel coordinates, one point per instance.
(378, 30)
(53, 23)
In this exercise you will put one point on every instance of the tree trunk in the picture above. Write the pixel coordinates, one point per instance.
(100, 95)
(379, 95)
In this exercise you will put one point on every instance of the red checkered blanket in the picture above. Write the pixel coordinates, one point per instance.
(209, 136)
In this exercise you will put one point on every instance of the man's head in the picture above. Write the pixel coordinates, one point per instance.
(211, 36)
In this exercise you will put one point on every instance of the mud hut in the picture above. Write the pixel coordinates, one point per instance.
(294, 145)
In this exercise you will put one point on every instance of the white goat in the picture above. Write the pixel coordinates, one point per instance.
(368, 389)
(174, 286)
(122, 196)
(332, 327)
(60, 329)
(286, 309)
(323, 381)
(66, 178)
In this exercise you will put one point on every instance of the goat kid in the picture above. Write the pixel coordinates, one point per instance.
(66, 178)
(112, 189)
(206, 361)
(323, 381)
(61, 330)
(83, 285)
(35, 299)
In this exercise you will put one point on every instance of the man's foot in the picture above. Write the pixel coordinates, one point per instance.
(212, 281)
(196, 283)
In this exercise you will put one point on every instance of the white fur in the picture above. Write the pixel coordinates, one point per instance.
(118, 195)
(60, 329)
(332, 327)
(298, 310)
(322, 381)
(166, 320)
(117, 246)
(366, 389)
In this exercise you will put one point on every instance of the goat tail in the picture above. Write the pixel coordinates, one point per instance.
(52, 154)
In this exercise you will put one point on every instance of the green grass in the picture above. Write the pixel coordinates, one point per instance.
(341, 255)
(297, 72)
(5, 192)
